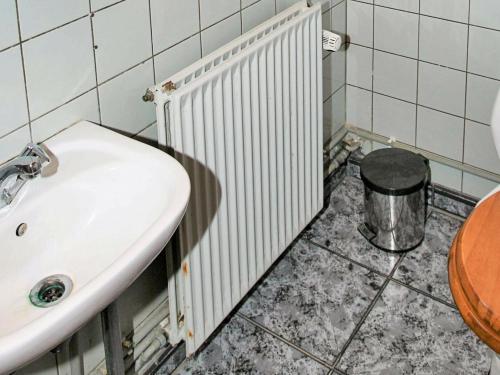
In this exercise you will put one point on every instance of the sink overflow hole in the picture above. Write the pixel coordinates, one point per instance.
(21, 229)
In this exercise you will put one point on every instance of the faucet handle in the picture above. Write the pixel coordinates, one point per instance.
(48, 160)
(33, 149)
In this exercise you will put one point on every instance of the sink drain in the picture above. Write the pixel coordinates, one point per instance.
(51, 290)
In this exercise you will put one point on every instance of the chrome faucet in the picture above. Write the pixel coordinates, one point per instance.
(15, 173)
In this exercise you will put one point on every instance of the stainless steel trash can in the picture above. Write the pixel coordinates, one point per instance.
(395, 198)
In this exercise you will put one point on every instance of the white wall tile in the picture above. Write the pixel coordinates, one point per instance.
(484, 54)
(256, 14)
(396, 31)
(485, 13)
(333, 114)
(336, 2)
(82, 108)
(177, 57)
(13, 143)
(99, 4)
(37, 16)
(339, 20)
(245, 3)
(359, 66)
(121, 105)
(395, 76)
(481, 95)
(446, 176)
(455, 10)
(408, 5)
(173, 21)
(8, 19)
(122, 35)
(333, 72)
(443, 42)
(359, 107)
(59, 66)
(442, 77)
(441, 88)
(149, 135)
(212, 11)
(13, 107)
(283, 4)
(477, 186)
(440, 133)
(360, 23)
(480, 150)
(220, 34)
(326, 19)
(394, 118)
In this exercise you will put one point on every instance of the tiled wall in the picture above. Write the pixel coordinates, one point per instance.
(426, 72)
(63, 61)
(334, 72)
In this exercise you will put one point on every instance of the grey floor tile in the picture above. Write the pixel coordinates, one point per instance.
(176, 356)
(426, 267)
(313, 299)
(242, 348)
(336, 228)
(452, 205)
(409, 333)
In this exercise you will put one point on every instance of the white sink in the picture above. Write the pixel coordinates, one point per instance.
(101, 219)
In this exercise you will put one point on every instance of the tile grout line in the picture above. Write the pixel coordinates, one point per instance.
(429, 16)
(449, 214)
(152, 41)
(420, 105)
(91, 20)
(425, 61)
(345, 257)
(373, 70)
(418, 72)
(21, 50)
(428, 295)
(199, 27)
(465, 99)
(285, 341)
(392, 278)
(340, 255)
(367, 311)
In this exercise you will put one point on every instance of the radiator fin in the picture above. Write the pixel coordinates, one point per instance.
(246, 125)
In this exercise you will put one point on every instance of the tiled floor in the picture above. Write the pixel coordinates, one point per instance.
(336, 305)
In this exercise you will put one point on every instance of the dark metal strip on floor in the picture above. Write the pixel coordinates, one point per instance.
(447, 213)
(368, 310)
(334, 252)
(420, 291)
(336, 371)
(291, 344)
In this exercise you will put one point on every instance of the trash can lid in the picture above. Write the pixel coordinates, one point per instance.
(394, 171)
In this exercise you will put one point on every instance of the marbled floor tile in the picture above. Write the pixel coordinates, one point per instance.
(337, 228)
(175, 358)
(313, 299)
(426, 267)
(242, 348)
(409, 333)
(452, 205)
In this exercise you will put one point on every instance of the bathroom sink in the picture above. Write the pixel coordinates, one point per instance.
(96, 223)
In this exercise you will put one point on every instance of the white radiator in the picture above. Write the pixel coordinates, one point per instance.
(246, 123)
